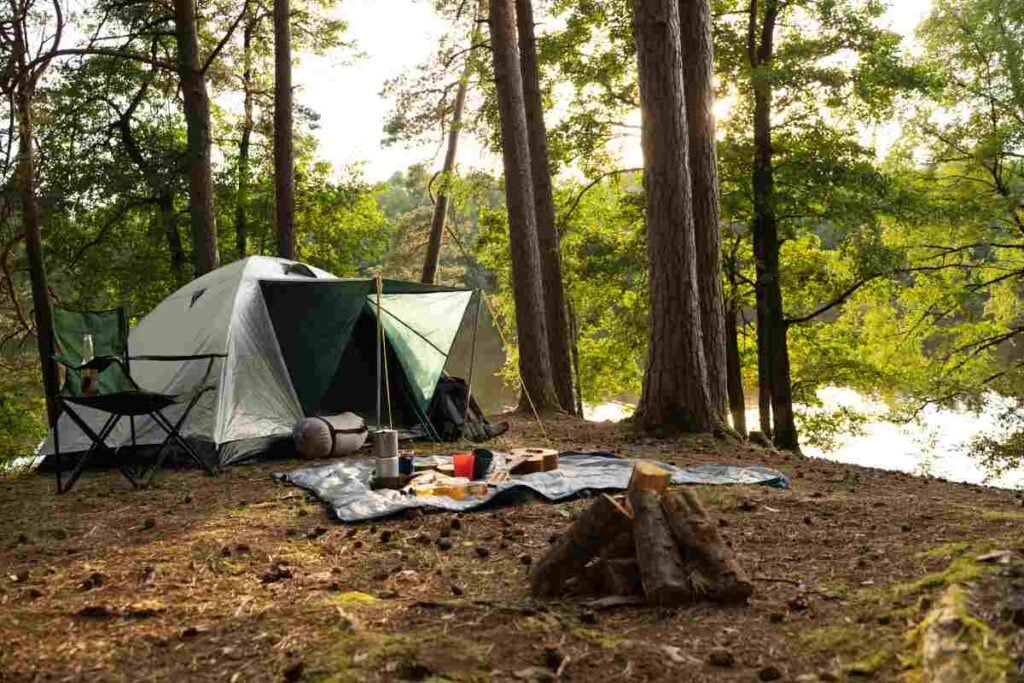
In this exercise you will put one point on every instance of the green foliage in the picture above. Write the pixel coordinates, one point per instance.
(22, 409)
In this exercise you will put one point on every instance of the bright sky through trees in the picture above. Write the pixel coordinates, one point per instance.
(346, 94)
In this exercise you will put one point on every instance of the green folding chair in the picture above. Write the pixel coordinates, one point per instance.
(102, 380)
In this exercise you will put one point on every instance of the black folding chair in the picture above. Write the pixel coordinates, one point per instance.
(113, 391)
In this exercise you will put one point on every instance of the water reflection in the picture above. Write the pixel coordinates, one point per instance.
(936, 444)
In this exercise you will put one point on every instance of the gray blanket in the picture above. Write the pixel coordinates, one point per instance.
(345, 485)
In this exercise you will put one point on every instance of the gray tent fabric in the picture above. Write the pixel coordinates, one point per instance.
(345, 485)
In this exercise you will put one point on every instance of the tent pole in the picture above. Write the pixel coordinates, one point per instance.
(472, 352)
(380, 337)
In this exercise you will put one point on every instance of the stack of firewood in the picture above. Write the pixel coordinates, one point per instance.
(652, 542)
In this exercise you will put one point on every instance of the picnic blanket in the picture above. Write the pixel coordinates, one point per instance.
(345, 485)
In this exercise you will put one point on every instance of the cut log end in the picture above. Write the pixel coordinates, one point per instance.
(647, 476)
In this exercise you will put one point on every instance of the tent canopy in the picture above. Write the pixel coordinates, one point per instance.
(302, 342)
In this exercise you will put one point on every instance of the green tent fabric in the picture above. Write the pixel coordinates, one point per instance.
(327, 335)
(313, 325)
(422, 328)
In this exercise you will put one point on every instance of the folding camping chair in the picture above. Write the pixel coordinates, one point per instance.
(112, 391)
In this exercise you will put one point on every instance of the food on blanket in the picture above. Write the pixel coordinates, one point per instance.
(433, 483)
(454, 491)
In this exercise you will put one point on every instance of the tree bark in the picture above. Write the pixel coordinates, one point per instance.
(244, 142)
(737, 401)
(284, 150)
(698, 77)
(167, 219)
(544, 203)
(527, 282)
(675, 392)
(205, 254)
(773, 351)
(437, 222)
(24, 87)
(160, 190)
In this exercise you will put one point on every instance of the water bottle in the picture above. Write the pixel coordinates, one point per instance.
(88, 349)
(88, 374)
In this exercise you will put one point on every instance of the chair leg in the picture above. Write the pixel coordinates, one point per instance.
(173, 434)
(56, 449)
(98, 442)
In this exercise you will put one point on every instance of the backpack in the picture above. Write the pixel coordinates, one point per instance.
(454, 413)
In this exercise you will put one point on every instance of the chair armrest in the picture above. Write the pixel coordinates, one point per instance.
(179, 359)
(202, 385)
(97, 363)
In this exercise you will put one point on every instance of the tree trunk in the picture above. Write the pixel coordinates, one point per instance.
(31, 219)
(675, 391)
(205, 254)
(242, 194)
(773, 352)
(544, 202)
(437, 222)
(764, 382)
(167, 219)
(737, 401)
(534, 362)
(160, 190)
(698, 75)
(284, 151)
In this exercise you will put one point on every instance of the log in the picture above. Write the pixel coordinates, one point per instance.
(609, 576)
(649, 477)
(712, 567)
(620, 546)
(661, 567)
(601, 522)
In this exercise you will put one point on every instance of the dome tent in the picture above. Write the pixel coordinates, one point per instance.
(299, 342)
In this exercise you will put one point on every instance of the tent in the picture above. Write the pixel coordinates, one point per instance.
(302, 342)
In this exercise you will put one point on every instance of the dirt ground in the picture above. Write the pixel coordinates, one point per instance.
(241, 578)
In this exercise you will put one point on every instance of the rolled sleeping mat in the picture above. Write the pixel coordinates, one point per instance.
(329, 436)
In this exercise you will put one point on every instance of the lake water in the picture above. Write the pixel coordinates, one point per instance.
(935, 445)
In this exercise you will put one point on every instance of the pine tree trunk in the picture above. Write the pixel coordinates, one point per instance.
(160, 189)
(773, 352)
(698, 75)
(764, 380)
(734, 367)
(534, 362)
(244, 142)
(30, 215)
(205, 254)
(437, 222)
(544, 202)
(284, 151)
(167, 218)
(675, 391)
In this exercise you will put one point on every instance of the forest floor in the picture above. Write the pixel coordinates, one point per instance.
(241, 578)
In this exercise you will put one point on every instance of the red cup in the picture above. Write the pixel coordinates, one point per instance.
(463, 464)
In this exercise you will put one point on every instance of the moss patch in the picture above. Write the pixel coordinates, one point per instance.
(950, 641)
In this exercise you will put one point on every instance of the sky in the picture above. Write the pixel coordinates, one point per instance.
(346, 92)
